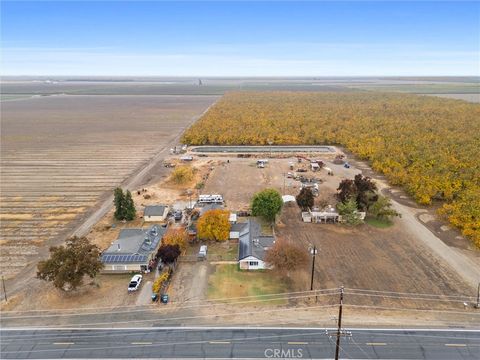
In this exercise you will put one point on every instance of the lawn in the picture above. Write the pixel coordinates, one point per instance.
(227, 281)
(381, 224)
(223, 251)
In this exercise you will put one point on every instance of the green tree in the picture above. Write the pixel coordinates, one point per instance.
(305, 199)
(382, 209)
(119, 201)
(267, 204)
(129, 206)
(68, 265)
(124, 205)
(349, 212)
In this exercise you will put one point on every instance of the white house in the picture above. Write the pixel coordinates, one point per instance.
(252, 246)
(156, 213)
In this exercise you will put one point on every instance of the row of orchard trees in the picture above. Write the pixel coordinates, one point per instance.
(427, 145)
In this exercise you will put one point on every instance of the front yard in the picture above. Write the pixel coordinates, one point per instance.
(227, 281)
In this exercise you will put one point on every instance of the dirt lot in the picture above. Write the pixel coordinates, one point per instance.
(365, 257)
(244, 179)
(58, 160)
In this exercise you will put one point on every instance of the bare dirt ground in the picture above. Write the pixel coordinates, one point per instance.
(59, 160)
(370, 258)
(239, 179)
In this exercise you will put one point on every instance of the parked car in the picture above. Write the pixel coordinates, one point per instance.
(161, 265)
(202, 253)
(301, 170)
(178, 215)
(135, 283)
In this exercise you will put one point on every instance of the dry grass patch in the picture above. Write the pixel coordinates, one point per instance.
(16, 216)
(227, 281)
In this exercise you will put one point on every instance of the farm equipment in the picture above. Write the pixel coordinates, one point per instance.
(339, 159)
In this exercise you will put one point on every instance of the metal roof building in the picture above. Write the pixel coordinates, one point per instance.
(155, 213)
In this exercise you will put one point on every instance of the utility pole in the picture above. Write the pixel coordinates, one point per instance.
(477, 305)
(339, 328)
(4, 289)
(313, 251)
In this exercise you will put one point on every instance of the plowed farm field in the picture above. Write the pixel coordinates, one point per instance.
(61, 154)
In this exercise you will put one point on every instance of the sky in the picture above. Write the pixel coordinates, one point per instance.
(226, 38)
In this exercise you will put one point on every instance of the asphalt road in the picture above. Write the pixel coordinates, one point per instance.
(238, 343)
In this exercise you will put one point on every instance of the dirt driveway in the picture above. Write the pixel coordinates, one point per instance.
(189, 282)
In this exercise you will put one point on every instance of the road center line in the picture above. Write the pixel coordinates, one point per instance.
(377, 344)
(219, 342)
(297, 343)
(141, 343)
(63, 343)
(456, 345)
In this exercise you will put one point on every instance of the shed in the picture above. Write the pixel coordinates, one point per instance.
(155, 213)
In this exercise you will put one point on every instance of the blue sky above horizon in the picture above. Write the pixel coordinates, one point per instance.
(240, 38)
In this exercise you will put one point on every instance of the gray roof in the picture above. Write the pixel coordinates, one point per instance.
(208, 207)
(237, 227)
(252, 242)
(155, 210)
(134, 245)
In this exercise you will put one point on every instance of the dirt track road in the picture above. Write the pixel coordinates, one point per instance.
(465, 266)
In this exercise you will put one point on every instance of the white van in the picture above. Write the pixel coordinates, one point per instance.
(202, 253)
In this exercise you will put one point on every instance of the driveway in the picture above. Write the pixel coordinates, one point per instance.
(190, 281)
(144, 297)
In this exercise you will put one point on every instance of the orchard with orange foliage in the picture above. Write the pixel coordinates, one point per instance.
(430, 146)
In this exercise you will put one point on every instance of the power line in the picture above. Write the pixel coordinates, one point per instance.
(406, 297)
(410, 309)
(409, 293)
(172, 302)
(164, 309)
(243, 313)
